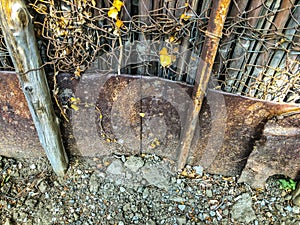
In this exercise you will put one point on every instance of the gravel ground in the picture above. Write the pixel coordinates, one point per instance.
(134, 190)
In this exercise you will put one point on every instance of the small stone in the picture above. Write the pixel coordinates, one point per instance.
(8, 222)
(212, 213)
(268, 214)
(198, 170)
(126, 207)
(150, 222)
(42, 186)
(76, 216)
(30, 203)
(181, 207)
(94, 183)
(181, 220)
(225, 212)
(116, 167)
(32, 166)
(121, 223)
(242, 210)
(289, 208)
(122, 189)
(134, 163)
(145, 193)
(296, 209)
(209, 193)
(156, 176)
(177, 199)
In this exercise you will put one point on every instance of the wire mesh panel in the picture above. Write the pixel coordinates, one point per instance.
(134, 37)
(5, 61)
(258, 54)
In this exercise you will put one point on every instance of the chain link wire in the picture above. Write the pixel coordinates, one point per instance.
(258, 54)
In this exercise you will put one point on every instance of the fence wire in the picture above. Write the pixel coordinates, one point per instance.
(258, 54)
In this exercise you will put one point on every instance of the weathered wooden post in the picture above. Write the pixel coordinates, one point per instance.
(19, 36)
(210, 47)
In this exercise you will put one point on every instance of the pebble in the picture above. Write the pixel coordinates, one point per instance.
(212, 213)
(145, 193)
(122, 189)
(181, 207)
(181, 220)
(155, 176)
(242, 210)
(43, 186)
(116, 167)
(134, 163)
(198, 170)
(32, 166)
(268, 214)
(296, 209)
(209, 193)
(8, 222)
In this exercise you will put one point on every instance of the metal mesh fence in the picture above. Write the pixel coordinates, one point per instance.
(258, 54)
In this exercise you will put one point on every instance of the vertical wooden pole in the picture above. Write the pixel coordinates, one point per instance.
(210, 47)
(19, 36)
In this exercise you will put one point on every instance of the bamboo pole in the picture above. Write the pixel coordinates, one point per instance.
(213, 35)
(21, 43)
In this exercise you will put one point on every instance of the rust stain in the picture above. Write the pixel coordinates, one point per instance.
(12, 99)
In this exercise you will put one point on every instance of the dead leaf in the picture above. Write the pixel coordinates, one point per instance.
(118, 4)
(166, 59)
(113, 13)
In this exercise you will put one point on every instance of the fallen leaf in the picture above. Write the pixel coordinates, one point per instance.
(185, 17)
(119, 23)
(166, 59)
(118, 4)
(75, 107)
(113, 13)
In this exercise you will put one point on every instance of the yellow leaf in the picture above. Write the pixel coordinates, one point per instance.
(184, 17)
(74, 100)
(119, 23)
(171, 39)
(75, 107)
(142, 114)
(118, 4)
(113, 13)
(165, 59)
(163, 51)
(77, 72)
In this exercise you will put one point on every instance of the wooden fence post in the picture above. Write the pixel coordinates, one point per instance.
(19, 36)
(210, 47)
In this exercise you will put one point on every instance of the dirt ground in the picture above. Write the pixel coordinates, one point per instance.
(134, 190)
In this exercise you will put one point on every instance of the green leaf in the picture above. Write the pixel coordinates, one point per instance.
(287, 184)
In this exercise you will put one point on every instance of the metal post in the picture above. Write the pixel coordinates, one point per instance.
(213, 35)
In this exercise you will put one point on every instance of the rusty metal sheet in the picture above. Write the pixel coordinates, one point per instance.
(277, 152)
(134, 115)
(18, 136)
(225, 149)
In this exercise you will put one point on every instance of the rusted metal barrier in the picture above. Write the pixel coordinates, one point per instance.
(94, 130)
